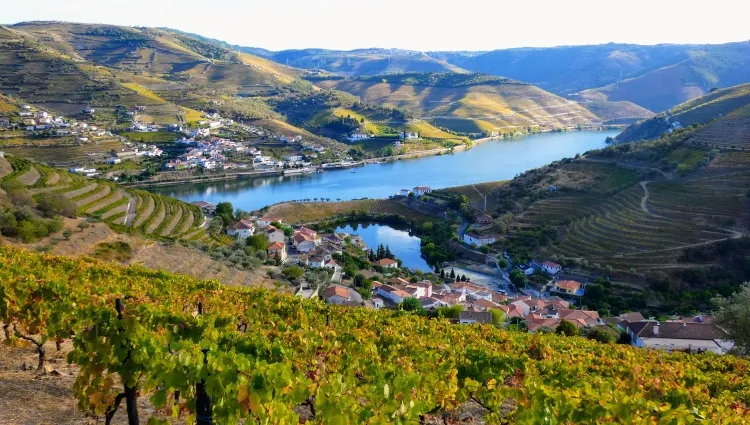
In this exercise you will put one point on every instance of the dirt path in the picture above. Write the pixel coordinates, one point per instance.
(176, 219)
(146, 212)
(81, 191)
(53, 179)
(131, 209)
(5, 167)
(30, 177)
(162, 212)
(644, 200)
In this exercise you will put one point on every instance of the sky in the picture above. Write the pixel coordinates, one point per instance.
(412, 24)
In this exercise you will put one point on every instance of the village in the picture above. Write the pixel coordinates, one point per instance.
(359, 276)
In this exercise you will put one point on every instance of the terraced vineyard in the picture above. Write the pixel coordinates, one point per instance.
(139, 210)
(648, 224)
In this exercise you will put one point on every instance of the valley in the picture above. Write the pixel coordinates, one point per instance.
(193, 231)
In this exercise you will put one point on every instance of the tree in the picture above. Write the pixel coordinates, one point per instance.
(292, 272)
(411, 304)
(442, 274)
(518, 278)
(359, 280)
(67, 233)
(453, 274)
(502, 262)
(258, 242)
(734, 316)
(226, 212)
(566, 328)
(83, 225)
(52, 204)
(603, 334)
(498, 316)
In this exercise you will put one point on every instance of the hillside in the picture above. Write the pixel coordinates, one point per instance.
(724, 104)
(123, 208)
(362, 366)
(467, 103)
(654, 216)
(363, 61)
(703, 69)
(654, 77)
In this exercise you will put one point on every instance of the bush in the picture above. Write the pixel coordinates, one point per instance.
(52, 204)
(566, 328)
(292, 272)
(603, 334)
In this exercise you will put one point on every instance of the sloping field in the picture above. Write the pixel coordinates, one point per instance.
(311, 212)
(150, 214)
(500, 107)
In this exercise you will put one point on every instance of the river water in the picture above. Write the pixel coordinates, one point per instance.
(490, 161)
(403, 245)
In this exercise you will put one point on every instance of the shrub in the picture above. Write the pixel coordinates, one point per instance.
(566, 328)
(52, 204)
(603, 334)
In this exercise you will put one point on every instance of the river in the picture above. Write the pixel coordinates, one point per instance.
(404, 246)
(490, 161)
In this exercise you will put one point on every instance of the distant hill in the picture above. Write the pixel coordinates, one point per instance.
(653, 77)
(704, 68)
(722, 105)
(363, 61)
(467, 103)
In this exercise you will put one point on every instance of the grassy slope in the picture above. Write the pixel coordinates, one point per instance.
(502, 107)
(665, 87)
(701, 110)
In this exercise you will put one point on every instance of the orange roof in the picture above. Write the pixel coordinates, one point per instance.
(485, 304)
(385, 262)
(299, 237)
(551, 264)
(276, 245)
(336, 290)
(570, 285)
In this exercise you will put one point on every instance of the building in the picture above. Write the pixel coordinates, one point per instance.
(421, 190)
(392, 293)
(241, 229)
(337, 294)
(551, 268)
(113, 160)
(303, 243)
(377, 303)
(206, 207)
(469, 317)
(354, 137)
(317, 262)
(386, 263)
(679, 336)
(478, 240)
(266, 221)
(568, 287)
(405, 135)
(275, 235)
(484, 220)
(404, 192)
(279, 248)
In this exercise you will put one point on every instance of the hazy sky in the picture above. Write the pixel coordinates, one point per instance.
(411, 24)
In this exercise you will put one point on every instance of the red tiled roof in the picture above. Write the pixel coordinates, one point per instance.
(385, 262)
(276, 245)
(336, 290)
(551, 264)
(570, 285)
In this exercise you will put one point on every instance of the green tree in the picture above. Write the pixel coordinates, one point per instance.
(603, 334)
(733, 315)
(258, 242)
(498, 316)
(502, 262)
(67, 233)
(518, 278)
(226, 212)
(566, 328)
(292, 272)
(411, 304)
(83, 225)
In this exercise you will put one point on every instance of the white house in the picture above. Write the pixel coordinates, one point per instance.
(113, 160)
(679, 336)
(551, 268)
(275, 235)
(478, 240)
(241, 229)
(409, 136)
(317, 262)
(404, 192)
(386, 263)
(394, 294)
(354, 137)
(266, 221)
(421, 190)
(377, 303)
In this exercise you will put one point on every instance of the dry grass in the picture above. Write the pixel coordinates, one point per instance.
(310, 212)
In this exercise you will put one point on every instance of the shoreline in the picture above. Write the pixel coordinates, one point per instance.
(275, 173)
